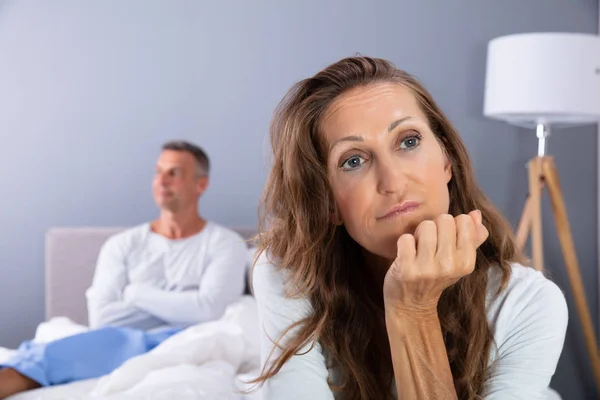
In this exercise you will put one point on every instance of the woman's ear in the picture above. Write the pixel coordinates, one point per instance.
(335, 216)
(448, 169)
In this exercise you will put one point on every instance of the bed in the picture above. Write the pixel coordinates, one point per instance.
(70, 261)
(208, 361)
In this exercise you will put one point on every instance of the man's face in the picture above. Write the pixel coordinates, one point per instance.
(176, 183)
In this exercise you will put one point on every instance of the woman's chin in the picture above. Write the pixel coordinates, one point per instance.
(382, 244)
(384, 250)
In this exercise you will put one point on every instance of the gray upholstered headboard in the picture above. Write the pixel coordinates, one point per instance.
(71, 255)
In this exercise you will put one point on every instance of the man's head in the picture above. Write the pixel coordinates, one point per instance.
(181, 176)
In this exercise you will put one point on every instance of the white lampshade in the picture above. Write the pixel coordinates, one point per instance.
(549, 78)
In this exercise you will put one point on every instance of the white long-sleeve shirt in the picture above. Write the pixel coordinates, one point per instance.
(144, 280)
(528, 321)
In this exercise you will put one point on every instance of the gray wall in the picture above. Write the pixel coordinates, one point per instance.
(89, 90)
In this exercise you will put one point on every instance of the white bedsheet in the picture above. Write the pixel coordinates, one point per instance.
(206, 361)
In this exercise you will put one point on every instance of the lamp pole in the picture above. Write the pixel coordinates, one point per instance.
(542, 131)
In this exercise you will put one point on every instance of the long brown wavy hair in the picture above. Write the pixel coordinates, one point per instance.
(326, 265)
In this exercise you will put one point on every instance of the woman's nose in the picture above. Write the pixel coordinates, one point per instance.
(390, 177)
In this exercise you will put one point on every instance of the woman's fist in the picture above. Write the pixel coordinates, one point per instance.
(438, 254)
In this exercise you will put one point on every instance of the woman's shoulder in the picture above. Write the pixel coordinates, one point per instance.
(530, 298)
(277, 310)
(271, 283)
(524, 283)
(266, 276)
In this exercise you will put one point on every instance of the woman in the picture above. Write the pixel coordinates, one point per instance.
(385, 272)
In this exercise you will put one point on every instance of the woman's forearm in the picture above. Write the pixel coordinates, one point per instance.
(421, 367)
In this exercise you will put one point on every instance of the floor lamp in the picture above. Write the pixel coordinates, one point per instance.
(543, 81)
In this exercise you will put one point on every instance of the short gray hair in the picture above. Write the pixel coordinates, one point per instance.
(202, 161)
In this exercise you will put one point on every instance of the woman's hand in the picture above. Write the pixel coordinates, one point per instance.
(438, 254)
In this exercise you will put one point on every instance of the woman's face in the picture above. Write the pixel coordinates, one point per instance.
(385, 166)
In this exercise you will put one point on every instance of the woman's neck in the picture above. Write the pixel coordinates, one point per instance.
(377, 266)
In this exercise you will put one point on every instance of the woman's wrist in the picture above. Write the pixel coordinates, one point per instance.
(399, 310)
(401, 318)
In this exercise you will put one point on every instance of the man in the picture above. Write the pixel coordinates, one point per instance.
(150, 282)
(177, 270)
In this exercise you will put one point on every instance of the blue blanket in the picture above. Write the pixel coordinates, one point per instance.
(83, 356)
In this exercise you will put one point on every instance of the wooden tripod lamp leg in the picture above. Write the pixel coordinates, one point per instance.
(571, 264)
(524, 225)
(535, 197)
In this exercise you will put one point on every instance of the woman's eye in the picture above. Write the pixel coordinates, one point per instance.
(352, 163)
(410, 142)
